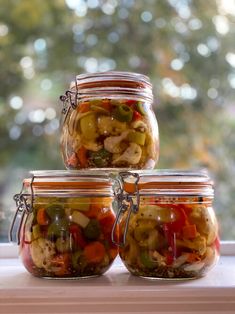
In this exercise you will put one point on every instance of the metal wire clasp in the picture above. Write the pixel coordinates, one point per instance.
(126, 202)
(23, 207)
(69, 100)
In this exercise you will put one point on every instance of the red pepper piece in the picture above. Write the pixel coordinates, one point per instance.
(136, 116)
(180, 221)
(60, 263)
(217, 244)
(131, 102)
(106, 104)
(84, 107)
(73, 160)
(77, 235)
(82, 157)
(26, 257)
(171, 240)
(169, 258)
(174, 228)
(42, 217)
(189, 231)
(106, 221)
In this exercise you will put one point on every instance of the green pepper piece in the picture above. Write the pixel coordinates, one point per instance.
(78, 261)
(100, 158)
(137, 137)
(55, 211)
(63, 245)
(57, 228)
(75, 259)
(146, 260)
(99, 109)
(140, 108)
(92, 230)
(123, 113)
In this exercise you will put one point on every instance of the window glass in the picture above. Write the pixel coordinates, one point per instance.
(185, 46)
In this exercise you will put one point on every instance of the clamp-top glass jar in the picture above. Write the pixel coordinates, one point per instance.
(65, 226)
(109, 122)
(168, 228)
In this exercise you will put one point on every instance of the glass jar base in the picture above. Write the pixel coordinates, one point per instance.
(169, 279)
(70, 278)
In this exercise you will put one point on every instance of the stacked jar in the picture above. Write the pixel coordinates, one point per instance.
(109, 122)
(168, 229)
(109, 136)
(65, 224)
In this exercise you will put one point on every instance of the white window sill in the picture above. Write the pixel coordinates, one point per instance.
(117, 291)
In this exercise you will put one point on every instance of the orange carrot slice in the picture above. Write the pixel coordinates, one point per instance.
(94, 252)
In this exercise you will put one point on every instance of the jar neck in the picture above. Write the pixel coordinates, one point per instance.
(167, 183)
(67, 184)
(176, 200)
(110, 85)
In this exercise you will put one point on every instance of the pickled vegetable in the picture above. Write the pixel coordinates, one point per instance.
(88, 126)
(123, 113)
(137, 137)
(102, 133)
(170, 238)
(68, 237)
(92, 230)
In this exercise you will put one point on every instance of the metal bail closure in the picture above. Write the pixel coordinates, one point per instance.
(126, 202)
(22, 207)
(69, 100)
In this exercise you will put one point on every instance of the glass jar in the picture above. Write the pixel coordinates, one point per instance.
(65, 226)
(168, 228)
(109, 122)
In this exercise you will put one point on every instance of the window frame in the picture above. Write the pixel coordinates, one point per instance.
(22, 293)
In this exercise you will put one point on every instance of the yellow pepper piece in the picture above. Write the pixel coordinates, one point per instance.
(137, 137)
(88, 126)
(79, 203)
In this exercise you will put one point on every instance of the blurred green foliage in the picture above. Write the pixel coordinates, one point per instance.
(186, 47)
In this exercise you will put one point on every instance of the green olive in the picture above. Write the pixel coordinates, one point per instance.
(123, 113)
(57, 228)
(92, 230)
(55, 211)
(63, 245)
(140, 108)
